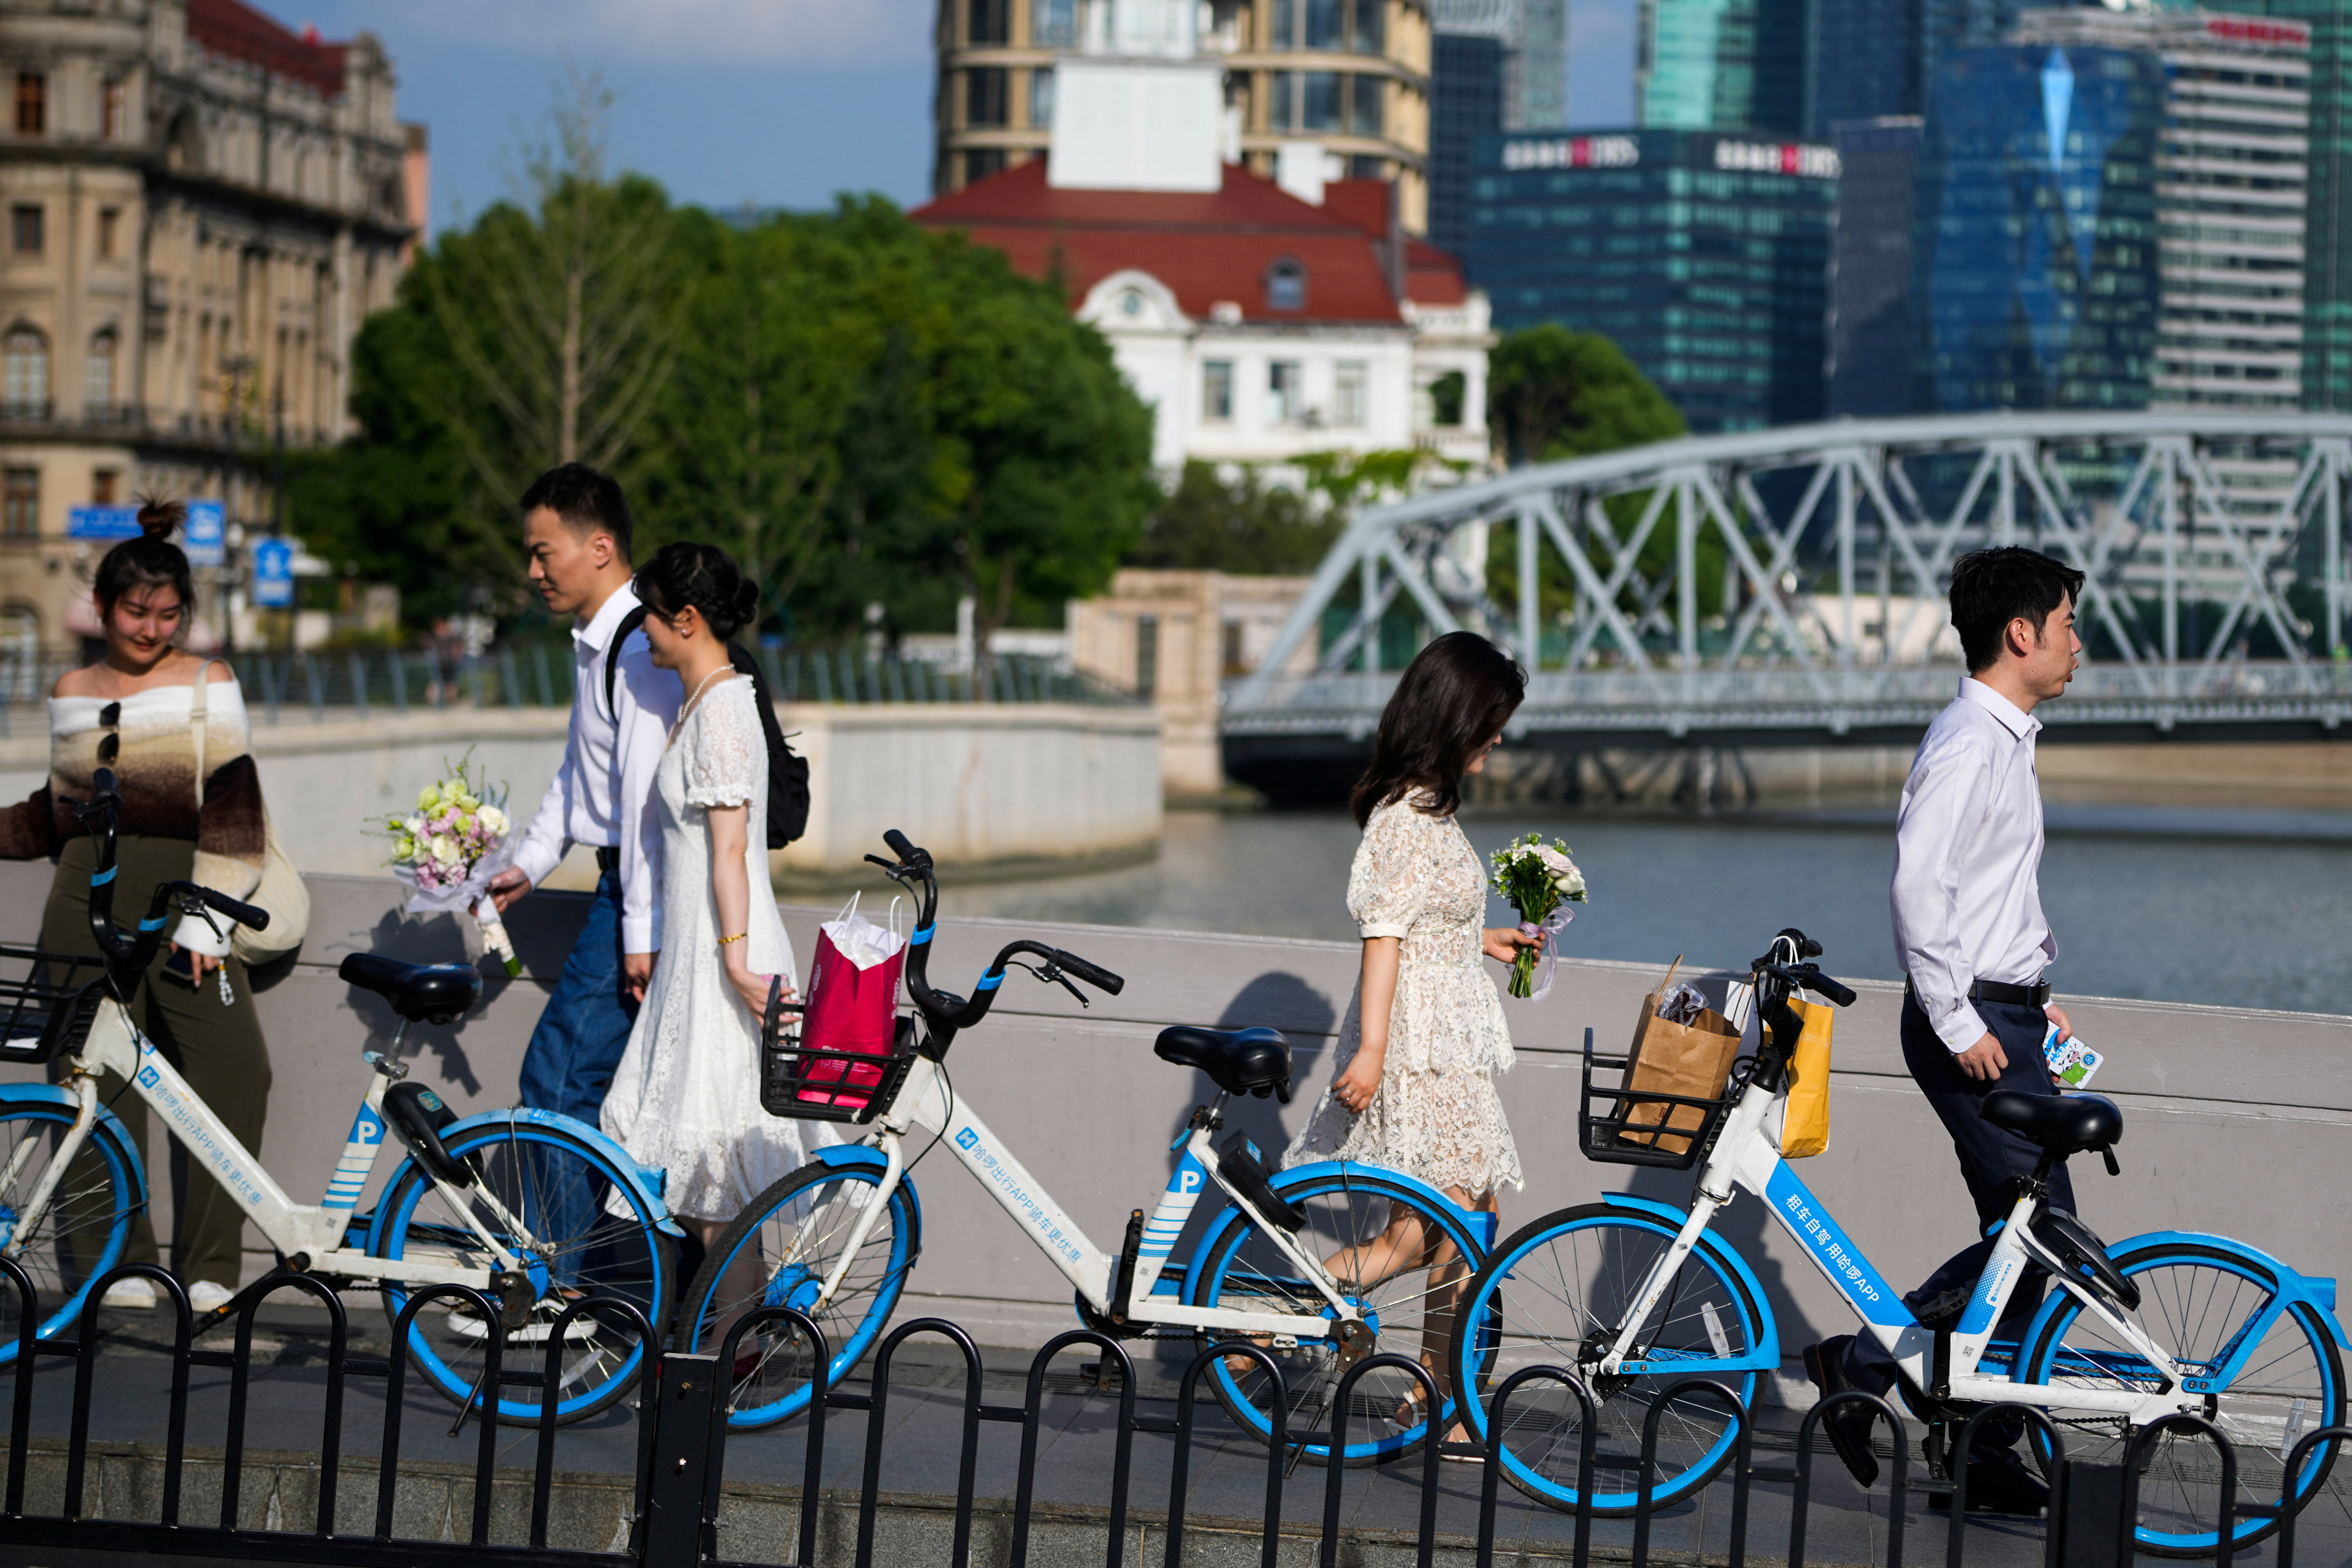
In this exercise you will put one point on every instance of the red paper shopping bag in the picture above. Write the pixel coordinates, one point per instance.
(852, 1007)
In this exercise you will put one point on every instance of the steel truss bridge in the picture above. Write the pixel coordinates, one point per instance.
(1785, 587)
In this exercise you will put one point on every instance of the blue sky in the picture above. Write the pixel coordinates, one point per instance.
(770, 102)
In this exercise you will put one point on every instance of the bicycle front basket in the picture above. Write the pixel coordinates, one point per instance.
(854, 1087)
(1616, 1138)
(47, 1001)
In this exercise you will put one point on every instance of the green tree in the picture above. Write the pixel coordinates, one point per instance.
(1242, 524)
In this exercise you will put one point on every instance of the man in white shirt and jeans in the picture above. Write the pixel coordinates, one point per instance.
(1973, 944)
(576, 529)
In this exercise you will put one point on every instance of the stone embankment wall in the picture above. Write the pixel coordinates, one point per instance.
(2227, 1108)
(1007, 784)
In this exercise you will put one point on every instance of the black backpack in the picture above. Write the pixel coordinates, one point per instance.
(788, 786)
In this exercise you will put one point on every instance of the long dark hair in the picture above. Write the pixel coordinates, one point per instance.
(1450, 701)
(704, 576)
(150, 561)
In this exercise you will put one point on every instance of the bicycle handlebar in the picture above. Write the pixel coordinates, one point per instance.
(946, 1010)
(1776, 982)
(131, 957)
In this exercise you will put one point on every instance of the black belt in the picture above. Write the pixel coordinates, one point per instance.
(2034, 995)
(608, 859)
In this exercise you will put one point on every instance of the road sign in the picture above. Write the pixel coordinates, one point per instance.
(273, 572)
(205, 535)
(102, 522)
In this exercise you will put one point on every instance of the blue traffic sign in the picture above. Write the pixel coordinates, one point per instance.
(102, 522)
(273, 572)
(205, 536)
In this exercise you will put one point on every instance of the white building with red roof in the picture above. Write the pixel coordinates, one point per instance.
(1261, 325)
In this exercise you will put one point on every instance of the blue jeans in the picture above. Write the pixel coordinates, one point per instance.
(569, 1066)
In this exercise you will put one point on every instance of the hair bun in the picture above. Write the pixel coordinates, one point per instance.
(746, 608)
(161, 519)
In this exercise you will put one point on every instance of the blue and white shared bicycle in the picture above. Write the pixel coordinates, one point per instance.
(538, 1212)
(1636, 1296)
(1320, 1265)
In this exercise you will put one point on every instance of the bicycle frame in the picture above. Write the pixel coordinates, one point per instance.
(1748, 1154)
(318, 1234)
(927, 1103)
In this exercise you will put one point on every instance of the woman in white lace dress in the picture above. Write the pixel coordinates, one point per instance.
(1424, 1034)
(686, 1096)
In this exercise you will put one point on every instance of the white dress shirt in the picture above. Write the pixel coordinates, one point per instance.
(603, 795)
(1967, 861)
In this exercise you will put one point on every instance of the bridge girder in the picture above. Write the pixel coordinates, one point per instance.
(1876, 510)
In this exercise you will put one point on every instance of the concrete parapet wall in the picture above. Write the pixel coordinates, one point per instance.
(2230, 1111)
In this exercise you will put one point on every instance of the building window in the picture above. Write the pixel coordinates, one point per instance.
(1053, 23)
(1147, 656)
(1282, 97)
(985, 96)
(989, 21)
(1364, 117)
(1327, 27)
(1351, 393)
(1370, 34)
(98, 376)
(110, 232)
(1041, 100)
(1234, 662)
(25, 232)
(1337, 24)
(32, 104)
(1318, 101)
(980, 162)
(1282, 388)
(21, 516)
(1362, 167)
(24, 370)
(1217, 389)
(105, 487)
(1285, 286)
(1445, 397)
(109, 108)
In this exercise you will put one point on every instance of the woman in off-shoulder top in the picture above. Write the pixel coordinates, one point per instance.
(1424, 1034)
(134, 712)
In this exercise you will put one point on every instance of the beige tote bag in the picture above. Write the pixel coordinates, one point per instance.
(281, 890)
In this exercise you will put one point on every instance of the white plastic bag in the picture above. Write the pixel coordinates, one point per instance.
(862, 942)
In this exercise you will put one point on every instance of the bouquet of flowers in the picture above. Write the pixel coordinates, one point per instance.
(449, 848)
(1539, 881)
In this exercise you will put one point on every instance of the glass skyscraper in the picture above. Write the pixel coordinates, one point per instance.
(2034, 253)
(1723, 64)
(1702, 257)
(1869, 363)
(1466, 103)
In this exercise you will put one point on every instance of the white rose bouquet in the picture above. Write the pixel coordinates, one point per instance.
(450, 846)
(1539, 881)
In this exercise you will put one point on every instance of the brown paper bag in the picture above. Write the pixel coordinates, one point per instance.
(1691, 1059)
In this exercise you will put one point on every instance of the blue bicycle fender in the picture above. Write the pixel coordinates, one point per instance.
(1768, 1339)
(842, 1155)
(2290, 1286)
(1231, 1215)
(647, 1181)
(108, 1123)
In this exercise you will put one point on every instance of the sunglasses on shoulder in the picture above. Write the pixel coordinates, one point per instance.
(110, 745)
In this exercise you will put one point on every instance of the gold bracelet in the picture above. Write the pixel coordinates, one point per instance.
(739, 936)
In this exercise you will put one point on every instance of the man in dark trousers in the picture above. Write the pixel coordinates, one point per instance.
(1973, 944)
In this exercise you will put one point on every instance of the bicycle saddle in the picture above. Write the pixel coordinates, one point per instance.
(1239, 1061)
(420, 993)
(2063, 1124)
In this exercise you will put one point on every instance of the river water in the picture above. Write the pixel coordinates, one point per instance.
(2238, 908)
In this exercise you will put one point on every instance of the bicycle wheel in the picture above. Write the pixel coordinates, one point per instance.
(578, 1227)
(778, 1253)
(2199, 1302)
(1419, 1255)
(1548, 1296)
(81, 1234)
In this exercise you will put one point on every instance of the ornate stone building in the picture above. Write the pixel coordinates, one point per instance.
(202, 207)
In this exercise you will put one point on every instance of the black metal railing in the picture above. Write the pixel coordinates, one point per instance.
(359, 685)
(682, 1440)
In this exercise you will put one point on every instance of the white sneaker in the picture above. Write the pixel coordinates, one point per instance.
(132, 1294)
(206, 1297)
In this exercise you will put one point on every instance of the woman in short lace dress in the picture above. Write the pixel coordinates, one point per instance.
(1424, 1034)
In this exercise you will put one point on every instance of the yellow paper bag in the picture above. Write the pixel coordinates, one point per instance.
(1805, 1121)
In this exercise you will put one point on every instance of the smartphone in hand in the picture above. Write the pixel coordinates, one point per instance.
(181, 967)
